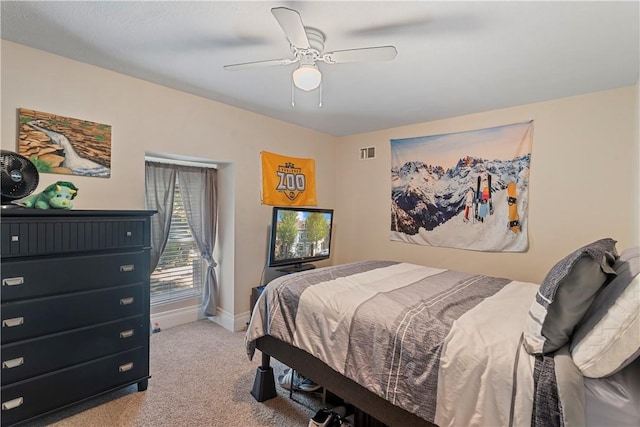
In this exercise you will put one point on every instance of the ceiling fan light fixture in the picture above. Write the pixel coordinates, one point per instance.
(307, 77)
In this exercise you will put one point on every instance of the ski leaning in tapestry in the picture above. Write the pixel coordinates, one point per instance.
(466, 190)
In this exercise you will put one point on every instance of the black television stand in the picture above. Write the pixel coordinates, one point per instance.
(296, 268)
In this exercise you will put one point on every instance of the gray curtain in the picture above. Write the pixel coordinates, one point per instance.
(198, 187)
(159, 184)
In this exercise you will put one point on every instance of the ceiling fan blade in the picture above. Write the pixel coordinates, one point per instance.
(390, 29)
(291, 23)
(259, 64)
(206, 44)
(380, 53)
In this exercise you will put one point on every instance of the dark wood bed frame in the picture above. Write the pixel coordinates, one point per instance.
(348, 390)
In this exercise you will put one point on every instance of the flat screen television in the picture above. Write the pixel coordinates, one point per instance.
(299, 236)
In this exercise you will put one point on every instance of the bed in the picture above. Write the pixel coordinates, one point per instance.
(412, 345)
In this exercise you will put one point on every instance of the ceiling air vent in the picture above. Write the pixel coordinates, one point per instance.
(367, 153)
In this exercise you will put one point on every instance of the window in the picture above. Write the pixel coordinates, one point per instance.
(183, 233)
(179, 272)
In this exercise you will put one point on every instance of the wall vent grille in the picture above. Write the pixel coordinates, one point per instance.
(367, 153)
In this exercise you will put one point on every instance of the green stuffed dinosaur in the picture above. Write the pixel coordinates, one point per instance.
(58, 196)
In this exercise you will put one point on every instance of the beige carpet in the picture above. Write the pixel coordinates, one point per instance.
(200, 376)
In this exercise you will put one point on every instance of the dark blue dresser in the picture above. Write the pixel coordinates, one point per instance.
(74, 307)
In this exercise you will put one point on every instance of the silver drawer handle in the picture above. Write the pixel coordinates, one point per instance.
(126, 301)
(13, 363)
(10, 323)
(127, 268)
(126, 334)
(129, 234)
(126, 367)
(10, 404)
(15, 238)
(12, 281)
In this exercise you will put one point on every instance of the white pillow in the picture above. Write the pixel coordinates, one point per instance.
(608, 338)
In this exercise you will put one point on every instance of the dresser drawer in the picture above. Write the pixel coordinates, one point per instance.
(40, 236)
(35, 277)
(29, 358)
(43, 316)
(36, 396)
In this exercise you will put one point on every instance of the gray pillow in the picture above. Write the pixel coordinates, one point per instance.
(565, 295)
(626, 267)
(605, 340)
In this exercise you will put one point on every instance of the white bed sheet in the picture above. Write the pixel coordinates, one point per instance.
(614, 400)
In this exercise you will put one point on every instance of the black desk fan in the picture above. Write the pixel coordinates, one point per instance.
(18, 177)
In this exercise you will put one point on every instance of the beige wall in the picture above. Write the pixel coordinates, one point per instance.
(636, 168)
(584, 185)
(149, 118)
(584, 176)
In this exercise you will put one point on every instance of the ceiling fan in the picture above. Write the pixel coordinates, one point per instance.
(307, 45)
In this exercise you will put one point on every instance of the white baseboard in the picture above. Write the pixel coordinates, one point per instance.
(231, 323)
(242, 320)
(171, 318)
(180, 316)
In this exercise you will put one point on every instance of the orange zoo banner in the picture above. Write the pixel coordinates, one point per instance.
(288, 181)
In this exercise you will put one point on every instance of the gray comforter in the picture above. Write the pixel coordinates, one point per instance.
(442, 344)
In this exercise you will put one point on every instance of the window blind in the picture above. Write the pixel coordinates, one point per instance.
(179, 272)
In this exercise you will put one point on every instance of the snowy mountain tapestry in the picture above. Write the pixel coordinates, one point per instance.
(466, 190)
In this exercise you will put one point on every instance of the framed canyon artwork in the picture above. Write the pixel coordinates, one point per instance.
(64, 145)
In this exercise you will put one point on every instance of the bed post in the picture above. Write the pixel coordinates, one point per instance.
(264, 386)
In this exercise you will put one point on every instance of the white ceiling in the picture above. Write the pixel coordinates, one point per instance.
(454, 58)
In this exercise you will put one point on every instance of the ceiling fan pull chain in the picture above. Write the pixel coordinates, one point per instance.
(293, 95)
(320, 96)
